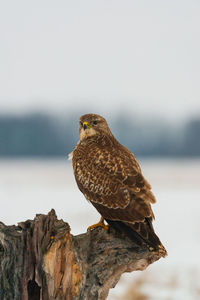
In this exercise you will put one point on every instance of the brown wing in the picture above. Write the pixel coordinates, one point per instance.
(109, 176)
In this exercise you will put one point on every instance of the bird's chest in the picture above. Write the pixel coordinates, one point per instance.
(83, 159)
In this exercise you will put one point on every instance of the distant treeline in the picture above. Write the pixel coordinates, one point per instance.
(42, 135)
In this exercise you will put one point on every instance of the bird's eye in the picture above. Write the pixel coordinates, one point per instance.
(95, 122)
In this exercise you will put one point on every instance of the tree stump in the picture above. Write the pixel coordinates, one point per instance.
(41, 260)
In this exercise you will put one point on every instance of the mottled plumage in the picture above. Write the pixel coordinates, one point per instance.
(110, 177)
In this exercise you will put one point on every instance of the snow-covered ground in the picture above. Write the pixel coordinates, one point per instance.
(33, 186)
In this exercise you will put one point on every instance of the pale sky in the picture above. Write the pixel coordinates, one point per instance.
(142, 56)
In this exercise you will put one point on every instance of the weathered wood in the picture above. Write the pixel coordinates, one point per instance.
(40, 259)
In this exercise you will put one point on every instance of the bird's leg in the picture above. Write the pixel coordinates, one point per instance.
(99, 224)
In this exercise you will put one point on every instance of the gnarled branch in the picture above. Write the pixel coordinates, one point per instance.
(40, 259)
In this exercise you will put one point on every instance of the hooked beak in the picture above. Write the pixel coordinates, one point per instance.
(85, 125)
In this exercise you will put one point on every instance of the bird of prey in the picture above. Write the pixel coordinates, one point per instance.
(109, 176)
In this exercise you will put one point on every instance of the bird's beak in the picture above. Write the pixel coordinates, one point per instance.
(85, 125)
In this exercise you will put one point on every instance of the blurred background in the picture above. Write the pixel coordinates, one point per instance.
(137, 63)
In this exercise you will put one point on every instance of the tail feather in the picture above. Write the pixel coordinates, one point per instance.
(140, 233)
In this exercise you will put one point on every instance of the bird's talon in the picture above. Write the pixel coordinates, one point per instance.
(99, 224)
(106, 227)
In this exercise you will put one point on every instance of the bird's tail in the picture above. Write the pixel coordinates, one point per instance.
(141, 233)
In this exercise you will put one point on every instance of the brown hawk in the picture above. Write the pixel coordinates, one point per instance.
(109, 176)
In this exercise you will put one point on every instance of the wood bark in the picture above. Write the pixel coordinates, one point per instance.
(41, 260)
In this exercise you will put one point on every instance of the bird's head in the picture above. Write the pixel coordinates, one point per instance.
(92, 124)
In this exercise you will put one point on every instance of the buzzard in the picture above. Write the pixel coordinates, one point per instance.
(109, 176)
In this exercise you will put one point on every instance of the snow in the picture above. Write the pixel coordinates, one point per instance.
(33, 186)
